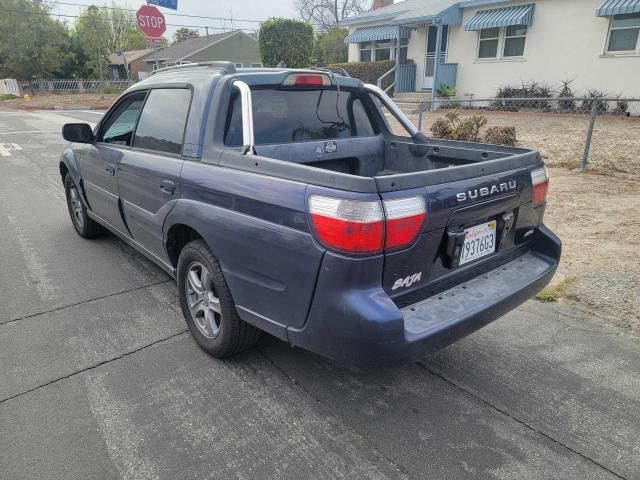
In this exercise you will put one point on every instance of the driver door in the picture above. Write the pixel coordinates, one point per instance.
(99, 165)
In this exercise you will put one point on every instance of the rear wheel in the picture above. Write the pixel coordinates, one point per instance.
(85, 226)
(207, 305)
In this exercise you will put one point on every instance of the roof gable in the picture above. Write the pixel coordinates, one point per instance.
(182, 50)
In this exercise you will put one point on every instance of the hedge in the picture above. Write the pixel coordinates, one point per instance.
(289, 41)
(368, 72)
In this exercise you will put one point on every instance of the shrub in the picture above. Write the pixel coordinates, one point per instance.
(289, 41)
(536, 92)
(621, 107)
(445, 91)
(468, 130)
(441, 128)
(330, 47)
(566, 92)
(505, 135)
(592, 95)
(451, 127)
(368, 72)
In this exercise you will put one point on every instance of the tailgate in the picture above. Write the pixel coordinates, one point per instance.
(472, 226)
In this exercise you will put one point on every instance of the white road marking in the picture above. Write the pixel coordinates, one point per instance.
(29, 131)
(16, 146)
(4, 152)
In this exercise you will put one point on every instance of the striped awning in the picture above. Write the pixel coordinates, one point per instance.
(618, 7)
(380, 32)
(501, 17)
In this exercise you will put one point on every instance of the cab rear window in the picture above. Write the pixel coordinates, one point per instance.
(283, 116)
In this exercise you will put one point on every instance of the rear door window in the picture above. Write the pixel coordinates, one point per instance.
(163, 120)
(283, 116)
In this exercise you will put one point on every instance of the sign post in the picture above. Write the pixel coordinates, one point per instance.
(151, 22)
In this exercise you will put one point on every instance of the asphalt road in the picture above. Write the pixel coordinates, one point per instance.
(98, 378)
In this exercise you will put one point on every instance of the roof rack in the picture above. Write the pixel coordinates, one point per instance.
(228, 67)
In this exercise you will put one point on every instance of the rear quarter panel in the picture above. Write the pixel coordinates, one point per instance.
(258, 229)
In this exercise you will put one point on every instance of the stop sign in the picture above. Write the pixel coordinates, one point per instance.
(151, 21)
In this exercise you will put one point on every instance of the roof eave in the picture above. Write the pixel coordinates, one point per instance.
(369, 19)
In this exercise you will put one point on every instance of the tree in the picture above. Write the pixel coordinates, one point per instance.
(93, 31)
(134, 40)
(326, 14)
(32, 44)
(288, 41)
(183, 33)
(330, 47)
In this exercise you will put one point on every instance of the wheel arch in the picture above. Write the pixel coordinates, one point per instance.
(177, 236)
(68, 165)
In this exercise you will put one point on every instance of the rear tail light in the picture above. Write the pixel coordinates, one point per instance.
(405, 217)
(540, 185)
(307, 80)
(355, 226)
(351, 226)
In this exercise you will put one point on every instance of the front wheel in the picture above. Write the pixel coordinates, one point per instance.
(207, 305)
(85, 226)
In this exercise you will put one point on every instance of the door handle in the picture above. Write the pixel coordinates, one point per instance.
(111, 169)
(167, 186)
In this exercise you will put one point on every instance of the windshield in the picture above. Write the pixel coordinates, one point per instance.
(282, 116)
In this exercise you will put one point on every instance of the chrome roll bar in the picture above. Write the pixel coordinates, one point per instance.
(248, 140)
(246, 103)
(392, 107)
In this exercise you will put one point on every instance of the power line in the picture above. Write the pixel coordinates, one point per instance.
(113, 20)
(164, 13)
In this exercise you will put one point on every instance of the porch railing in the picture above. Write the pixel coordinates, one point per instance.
(404, 78)
(447, 74)
(384, 75)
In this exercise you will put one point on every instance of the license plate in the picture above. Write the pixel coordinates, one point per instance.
(479, 241)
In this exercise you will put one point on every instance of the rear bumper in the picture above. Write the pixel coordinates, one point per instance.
(366, 328)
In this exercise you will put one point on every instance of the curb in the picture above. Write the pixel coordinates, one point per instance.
(64, 107)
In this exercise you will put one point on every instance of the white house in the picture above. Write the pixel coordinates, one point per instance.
(486, 44)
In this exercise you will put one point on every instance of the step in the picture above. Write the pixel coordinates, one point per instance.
(420, 95)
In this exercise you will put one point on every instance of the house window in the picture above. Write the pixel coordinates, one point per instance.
(488, 43)
(514, 38)
(256, 65)
(624, 33)
(404, 49)
(238, 65)
(498, 43)
(365, 51)
(383, 50)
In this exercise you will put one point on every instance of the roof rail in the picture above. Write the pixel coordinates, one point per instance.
(227, 67)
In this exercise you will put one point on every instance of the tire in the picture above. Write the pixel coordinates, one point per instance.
(85, 226)
(207, 304)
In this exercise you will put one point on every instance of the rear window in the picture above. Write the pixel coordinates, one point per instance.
(283, 116)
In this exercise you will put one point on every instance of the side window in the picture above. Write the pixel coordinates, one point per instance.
(118, 129)
(163, 119)
(361, 118)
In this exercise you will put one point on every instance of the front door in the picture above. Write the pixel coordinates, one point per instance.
(99, 163)
(430, 57)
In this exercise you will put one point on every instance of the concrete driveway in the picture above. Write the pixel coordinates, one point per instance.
(99, 378)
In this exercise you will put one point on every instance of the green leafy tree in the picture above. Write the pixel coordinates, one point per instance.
(288, 41)
(330, 47)
(184, 33)
(94, 32)
(32, 44)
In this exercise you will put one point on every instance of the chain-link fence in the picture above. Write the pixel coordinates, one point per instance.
(602, 134)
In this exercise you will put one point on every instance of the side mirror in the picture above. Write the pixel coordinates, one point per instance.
(78, 133)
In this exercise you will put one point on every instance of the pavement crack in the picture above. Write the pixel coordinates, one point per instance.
(95, 299)
(377, 452)
(95, 365)
(518, 420)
